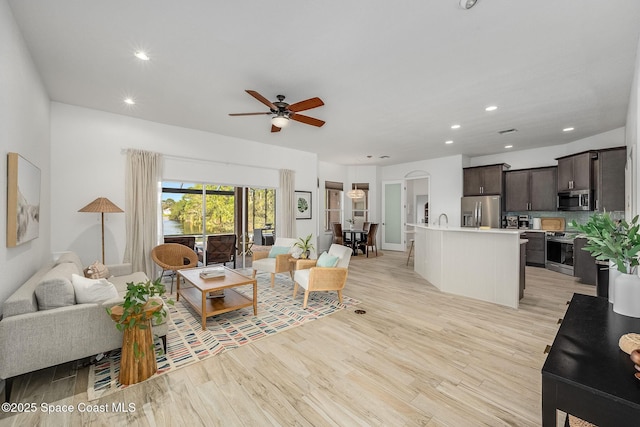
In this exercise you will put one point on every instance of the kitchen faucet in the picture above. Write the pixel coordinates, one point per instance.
(445, 217)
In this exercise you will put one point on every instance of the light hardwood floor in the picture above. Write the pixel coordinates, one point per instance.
(417, 357)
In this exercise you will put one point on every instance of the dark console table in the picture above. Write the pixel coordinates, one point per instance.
(586, 374)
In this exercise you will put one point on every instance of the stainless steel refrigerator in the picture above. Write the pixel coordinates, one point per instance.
(481, 211)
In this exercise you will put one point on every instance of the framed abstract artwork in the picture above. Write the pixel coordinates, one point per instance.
(303, 204)
(23, 200)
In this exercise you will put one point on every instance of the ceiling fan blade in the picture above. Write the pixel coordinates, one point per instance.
(307, 120)
(306, 104)
(275, 128)
(249, 114)
(262, 99)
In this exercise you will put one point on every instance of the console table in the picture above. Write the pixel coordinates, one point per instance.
(586, 374)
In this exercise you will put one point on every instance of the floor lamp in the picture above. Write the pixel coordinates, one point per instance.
(101, 205)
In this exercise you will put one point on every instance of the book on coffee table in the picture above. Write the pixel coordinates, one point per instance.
(212, 273)
(216, 294)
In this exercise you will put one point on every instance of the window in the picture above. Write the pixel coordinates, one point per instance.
(360, 206)
(332, 203)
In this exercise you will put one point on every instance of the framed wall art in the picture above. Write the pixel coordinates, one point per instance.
(303, 204)
(23, 200)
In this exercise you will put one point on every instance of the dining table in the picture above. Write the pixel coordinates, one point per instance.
(356, 236)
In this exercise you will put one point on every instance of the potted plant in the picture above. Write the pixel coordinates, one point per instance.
(619, 243)
(305, 245)
(351, 222)
(141, 307)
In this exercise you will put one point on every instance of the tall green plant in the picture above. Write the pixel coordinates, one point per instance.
(609, 240)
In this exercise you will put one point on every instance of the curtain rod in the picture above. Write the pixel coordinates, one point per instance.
(194, 159)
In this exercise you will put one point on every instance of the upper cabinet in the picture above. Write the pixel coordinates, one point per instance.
(483, 180)
(610, 181)
(530, 189)
(575, 172)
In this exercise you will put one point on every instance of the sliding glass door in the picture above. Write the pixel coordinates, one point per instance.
(202, 210)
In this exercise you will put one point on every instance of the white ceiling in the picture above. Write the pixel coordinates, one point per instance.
(394, 76)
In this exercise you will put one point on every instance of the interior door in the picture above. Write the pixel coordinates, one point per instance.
(392, 215)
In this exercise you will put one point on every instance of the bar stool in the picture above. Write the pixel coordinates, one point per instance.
(410, 250)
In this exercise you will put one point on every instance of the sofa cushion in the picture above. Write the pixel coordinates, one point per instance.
(92, 290)
(70, 257)
(120, 282)
(97, 270)
(55, 289)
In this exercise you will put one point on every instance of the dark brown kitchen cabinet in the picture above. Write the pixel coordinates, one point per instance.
(584, 264)
(610, 181)
(535, 248)
(530, 189)
(575, 172)
(482, 180)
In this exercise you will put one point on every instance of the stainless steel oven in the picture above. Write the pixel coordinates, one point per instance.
(560, 252)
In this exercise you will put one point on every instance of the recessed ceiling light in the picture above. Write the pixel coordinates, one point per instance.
(384, 157)
(491, 108)
(141, 55)
(567, 129)
(508, 146)
(129, 101)
(448, 142)
(467, 4)
(455, 126)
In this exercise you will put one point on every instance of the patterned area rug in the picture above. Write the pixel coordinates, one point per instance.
(187, 343)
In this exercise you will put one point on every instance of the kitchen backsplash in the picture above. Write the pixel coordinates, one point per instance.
(569, 216)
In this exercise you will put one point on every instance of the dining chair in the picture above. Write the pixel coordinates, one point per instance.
(336, 227)
(371, 240)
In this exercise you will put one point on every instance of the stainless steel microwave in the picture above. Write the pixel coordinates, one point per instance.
(580, 200)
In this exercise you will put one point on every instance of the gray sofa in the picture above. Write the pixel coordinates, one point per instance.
(33, 338)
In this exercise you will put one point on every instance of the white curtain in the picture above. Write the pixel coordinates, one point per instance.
(287, 189)
(143, 174)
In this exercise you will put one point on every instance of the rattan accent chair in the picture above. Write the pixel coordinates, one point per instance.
(279, 263)
(312, 278)
(221, 249)
(174, 257)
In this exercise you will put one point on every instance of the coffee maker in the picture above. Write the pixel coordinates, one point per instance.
(523, 221)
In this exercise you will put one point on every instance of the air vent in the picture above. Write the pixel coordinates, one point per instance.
(507, 131)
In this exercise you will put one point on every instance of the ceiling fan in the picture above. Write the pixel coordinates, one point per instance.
(283, 112)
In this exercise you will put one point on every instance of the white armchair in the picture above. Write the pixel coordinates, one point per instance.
(277, 264)
(313, 278)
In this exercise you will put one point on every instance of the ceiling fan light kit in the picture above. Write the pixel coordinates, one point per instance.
(283, 112)
(467, 4)
(280, 121)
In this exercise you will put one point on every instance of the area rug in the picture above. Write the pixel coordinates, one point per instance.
(187, 343)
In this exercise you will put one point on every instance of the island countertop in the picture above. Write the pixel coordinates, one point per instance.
(477, 263)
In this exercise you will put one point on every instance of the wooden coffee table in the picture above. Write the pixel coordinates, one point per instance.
(196, 295)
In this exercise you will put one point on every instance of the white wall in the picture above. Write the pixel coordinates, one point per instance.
(24, 129)
(546, 156)
(88, 163)
(445, 180)
(631, 140)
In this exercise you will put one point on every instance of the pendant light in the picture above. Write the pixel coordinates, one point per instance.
(355, 193)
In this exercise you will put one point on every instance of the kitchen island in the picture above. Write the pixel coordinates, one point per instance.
(476, 263)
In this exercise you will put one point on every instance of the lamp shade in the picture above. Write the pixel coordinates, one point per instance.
(355, 194)
(101, 204)
(280, 121)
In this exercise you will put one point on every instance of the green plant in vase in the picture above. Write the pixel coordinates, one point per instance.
(615, 241)
(305, 245)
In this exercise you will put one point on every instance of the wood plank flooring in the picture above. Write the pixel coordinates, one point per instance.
(418, 357)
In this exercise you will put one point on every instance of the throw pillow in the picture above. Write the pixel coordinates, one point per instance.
(97, 270)
(278, 250)
(55, 289)
(326, 260)
(92, 290)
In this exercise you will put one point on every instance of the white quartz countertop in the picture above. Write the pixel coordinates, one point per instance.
(469, 229)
